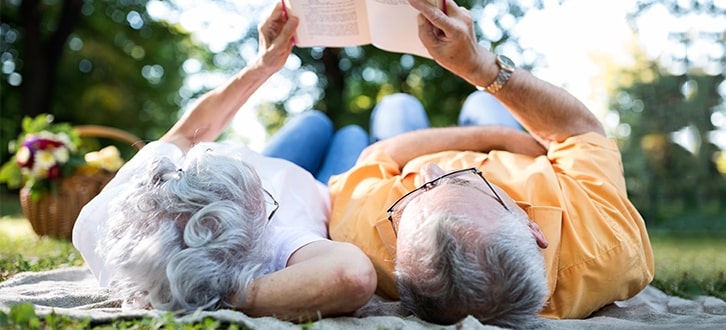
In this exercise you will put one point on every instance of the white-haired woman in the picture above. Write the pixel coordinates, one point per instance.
(193, 224)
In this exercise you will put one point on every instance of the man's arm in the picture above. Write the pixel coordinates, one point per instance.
(215, 109)
(323, 278)
(548, 112)
(402, 148)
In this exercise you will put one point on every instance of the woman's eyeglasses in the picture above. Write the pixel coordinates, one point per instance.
(395, 211)
(271, 200)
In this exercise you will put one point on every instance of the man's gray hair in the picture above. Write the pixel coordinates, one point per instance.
(452, 267)
(187, 239)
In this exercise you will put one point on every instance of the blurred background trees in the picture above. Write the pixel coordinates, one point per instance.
(130, 64)
(672, 116)
(91, 62)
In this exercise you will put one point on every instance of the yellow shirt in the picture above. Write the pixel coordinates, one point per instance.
(599, 250)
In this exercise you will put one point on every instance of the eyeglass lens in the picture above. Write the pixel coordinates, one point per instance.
(397, 208)
(395, 211)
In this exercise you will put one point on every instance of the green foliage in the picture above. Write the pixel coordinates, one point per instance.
(123, 76)
(115, 73)
(44, 122)
(669, 183)
(665, 180)
(10, 174)
(118, 67)
(23, 316)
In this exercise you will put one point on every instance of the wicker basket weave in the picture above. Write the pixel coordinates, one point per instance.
(55, 214)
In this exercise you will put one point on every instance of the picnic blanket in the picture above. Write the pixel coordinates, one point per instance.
(73, 291)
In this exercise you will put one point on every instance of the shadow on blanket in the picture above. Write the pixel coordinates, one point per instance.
(73, 292)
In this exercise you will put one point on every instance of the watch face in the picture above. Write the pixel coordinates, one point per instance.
(505, 63)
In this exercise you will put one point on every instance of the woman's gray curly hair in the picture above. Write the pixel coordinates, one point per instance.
(187, 239)
(452, 268)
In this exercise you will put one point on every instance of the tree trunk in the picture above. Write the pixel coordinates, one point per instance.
(334, 98)
(42, 55)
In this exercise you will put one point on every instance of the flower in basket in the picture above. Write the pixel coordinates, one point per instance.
(41, 155)
(46, 152)
(108, 159)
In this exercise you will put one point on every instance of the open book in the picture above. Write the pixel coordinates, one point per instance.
(390, 25)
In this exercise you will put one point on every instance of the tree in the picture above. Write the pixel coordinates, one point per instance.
(659, 103)
(81, 61)
(665, 179)
(91, 62)
(109, 62)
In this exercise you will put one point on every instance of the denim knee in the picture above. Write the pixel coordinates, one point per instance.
(353, 131)
(304, 140)
(312, 116)
(482, 108)
(396, 114)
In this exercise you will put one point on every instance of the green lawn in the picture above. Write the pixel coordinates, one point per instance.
(691, 265)
(686, 265)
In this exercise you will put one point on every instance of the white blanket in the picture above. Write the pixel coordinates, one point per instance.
(73, 291)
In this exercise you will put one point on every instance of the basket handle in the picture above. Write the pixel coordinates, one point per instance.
(110, 132)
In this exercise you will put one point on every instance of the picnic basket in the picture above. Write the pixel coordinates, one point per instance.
(54, 214)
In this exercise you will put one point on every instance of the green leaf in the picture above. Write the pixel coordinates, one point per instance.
(39, 123)
(10, 174)
(24, 314)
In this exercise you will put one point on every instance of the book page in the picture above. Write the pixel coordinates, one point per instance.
(330, 23)
(394, 26)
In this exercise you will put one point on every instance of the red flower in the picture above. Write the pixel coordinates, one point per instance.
(54, 172)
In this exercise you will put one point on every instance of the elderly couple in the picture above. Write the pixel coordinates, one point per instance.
(484, 219)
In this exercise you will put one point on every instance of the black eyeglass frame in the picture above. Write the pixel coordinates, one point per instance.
(274, 201)
(434, 183)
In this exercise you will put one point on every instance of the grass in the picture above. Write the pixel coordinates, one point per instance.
(686, 265)
(22, 250)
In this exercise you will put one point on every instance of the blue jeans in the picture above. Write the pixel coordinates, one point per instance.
(400, 113)
(309, 141)
(396, 114)
(482, 108)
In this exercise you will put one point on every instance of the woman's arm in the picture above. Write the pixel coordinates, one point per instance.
(215, 109)
(404, 147)
(323, 278)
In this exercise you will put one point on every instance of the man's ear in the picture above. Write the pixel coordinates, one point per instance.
(538, 234)
(430, 171)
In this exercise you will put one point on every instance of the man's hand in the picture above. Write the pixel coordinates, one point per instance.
(547, 112)
(450, 38)
(276, 39)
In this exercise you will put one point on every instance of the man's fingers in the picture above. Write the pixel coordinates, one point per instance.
(434, 14)
(288, 30)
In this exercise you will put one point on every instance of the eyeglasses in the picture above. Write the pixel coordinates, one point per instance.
(271, 200)
(395, 211)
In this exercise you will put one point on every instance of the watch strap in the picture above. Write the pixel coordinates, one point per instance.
(506, 68)
(498, 83)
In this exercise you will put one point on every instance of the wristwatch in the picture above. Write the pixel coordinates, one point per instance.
(506, 67)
